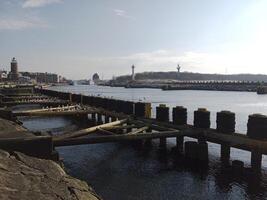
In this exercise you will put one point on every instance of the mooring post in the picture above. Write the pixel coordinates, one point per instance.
(237, 167)
(202, 120)
(191, 150)
(226, 125)
(142, 109)
(179, 117)
(256, 129)
(203, 154)
(162, 114)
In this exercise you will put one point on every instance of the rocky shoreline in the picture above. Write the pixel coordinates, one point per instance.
(25, 178)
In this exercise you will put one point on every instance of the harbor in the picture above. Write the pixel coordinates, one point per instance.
(123, 122)
(140, 100)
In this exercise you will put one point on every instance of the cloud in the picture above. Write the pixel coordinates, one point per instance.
(123, 14)
(38, 3)
(18, 24)
(167, 60)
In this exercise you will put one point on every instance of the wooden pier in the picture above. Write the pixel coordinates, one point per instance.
(118, 121)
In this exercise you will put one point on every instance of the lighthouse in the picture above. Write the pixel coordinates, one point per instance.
(133, 75)
(14, 74)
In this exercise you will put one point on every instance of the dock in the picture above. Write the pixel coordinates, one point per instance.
(126, 121)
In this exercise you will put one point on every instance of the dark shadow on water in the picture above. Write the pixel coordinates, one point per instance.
(135, 170)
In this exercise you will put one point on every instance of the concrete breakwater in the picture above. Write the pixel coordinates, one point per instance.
(192, 85)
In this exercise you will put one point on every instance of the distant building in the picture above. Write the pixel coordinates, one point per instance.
(40, 77)
(3, 75)
(14, 74)
(96, 77)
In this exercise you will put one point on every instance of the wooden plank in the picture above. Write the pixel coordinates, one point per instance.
(45, 109)
(87, 131)
(55, 113)
(140, 130)
(117, 138)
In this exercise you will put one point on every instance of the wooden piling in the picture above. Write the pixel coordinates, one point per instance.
(179, 117)
(237, 167)
(256, 129)
(190, 150)
(202, 118)
(226, 125)
(142, 109)
(203, 154)
(256, 160)
(162, 114)
(202, 121)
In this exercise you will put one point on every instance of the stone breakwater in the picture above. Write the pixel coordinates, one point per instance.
(25, 178)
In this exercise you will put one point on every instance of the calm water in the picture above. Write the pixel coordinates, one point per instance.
(120, 171)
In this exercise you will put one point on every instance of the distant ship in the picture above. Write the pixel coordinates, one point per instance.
(71, 82)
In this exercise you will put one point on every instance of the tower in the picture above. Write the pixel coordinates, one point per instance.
(178, 68)
(178, 71)
(14, 74)
(133, 75)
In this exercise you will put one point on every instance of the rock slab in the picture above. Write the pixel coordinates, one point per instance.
(28, 178)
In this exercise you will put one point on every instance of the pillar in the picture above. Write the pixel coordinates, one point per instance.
(142, 109)
(256, 129)
(202, 120)
(179, 117)
(225, 121)
(162, 114)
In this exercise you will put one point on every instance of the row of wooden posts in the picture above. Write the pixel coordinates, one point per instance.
(225, 120)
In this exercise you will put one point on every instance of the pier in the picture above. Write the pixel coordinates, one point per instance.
(119, 121)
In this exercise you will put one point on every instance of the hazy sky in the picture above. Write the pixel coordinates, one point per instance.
(76, 38)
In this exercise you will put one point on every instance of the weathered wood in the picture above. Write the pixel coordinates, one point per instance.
(117, 138)
(55, 113)
(105, 131)
(50, 103)
(236, 140)
(46, 109)
(87, 130)
(140, 130)
(40, 146)
(122, 127)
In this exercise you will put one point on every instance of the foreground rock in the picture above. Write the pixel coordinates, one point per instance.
(24, 178)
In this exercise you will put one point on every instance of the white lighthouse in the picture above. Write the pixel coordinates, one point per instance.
(133, 75)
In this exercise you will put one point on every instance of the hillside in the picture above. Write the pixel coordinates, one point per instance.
(193, 76)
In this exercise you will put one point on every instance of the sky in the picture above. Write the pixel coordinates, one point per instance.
(76, 38)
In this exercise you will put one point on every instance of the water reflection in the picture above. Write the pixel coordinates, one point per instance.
(135, 171)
